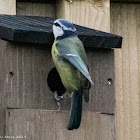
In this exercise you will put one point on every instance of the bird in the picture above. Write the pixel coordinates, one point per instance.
(71, 62)
(56, 86)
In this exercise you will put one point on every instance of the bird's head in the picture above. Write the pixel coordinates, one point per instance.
(63, 29)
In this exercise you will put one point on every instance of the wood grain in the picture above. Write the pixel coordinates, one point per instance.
(125, 21)
(101, 67)
(41, 124)
(93, 14)
(3, 81)
(30, 64)
(36, 9)
(8, 7)
(27, 88)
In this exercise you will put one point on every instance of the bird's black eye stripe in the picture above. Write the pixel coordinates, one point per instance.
(56, 24)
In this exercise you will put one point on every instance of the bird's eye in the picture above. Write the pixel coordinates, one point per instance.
(56, 24)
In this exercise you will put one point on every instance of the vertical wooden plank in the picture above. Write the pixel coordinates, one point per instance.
(118, 78)
(96, 14)
(3, 81)
(125, 22)
(126, 74)
(3, 74)
(134, 81)
(8, 7)
(138, 48)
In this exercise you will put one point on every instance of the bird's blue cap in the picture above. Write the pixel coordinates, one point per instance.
(63, 29)
(66, 25)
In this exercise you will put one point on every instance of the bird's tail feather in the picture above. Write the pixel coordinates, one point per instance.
(76, 110)
(85, 86)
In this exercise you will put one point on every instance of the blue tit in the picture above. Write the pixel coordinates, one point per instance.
(71, 62)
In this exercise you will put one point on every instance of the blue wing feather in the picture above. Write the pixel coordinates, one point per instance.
(75, 60)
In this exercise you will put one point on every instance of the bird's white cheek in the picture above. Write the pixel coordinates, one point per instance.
(57, 31)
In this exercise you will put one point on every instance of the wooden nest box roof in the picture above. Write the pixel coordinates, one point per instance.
(30, 29)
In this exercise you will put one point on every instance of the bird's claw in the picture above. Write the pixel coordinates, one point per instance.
(59, 106)
(58, 98)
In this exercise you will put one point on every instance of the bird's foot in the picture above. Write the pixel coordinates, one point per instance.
(58, 98)
(59, 106)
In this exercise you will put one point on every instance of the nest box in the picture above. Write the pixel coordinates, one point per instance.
(28, 61)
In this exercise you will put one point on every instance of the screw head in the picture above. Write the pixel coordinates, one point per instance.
(109, 81)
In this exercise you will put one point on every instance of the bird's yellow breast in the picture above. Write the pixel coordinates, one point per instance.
(70, 76)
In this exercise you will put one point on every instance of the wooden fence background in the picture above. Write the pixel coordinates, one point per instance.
(125, 21)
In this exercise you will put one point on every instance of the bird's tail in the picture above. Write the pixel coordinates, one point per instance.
(86, 88)
(85, 85)
(76, 110)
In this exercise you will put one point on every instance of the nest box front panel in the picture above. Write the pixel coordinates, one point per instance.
(27, 68)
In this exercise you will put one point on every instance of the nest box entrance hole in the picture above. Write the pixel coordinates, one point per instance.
(54, 82)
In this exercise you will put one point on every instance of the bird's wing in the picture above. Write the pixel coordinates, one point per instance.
(74, 59)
